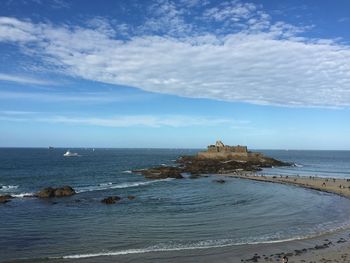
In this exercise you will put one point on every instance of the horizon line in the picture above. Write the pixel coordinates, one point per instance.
(159, 148)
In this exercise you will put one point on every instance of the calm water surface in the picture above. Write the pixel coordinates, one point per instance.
(166, 214)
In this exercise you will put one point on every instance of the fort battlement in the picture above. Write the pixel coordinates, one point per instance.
(220, 150)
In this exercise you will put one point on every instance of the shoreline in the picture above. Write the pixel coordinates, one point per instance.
(331, 247)
(336, 186)
(328, 247)
(330, 252)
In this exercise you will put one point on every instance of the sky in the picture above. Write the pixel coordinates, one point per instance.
(270, 74)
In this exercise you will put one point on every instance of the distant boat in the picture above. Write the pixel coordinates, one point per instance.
(51, 148)
(70, 154)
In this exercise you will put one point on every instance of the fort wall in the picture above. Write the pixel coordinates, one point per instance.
(219, 150)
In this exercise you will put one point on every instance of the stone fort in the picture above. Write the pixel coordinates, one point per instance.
(220, 150)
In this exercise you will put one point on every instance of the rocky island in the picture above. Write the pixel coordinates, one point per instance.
(217, 159)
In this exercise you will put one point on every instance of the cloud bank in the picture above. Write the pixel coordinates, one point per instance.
(246, 57)
(150, 121)
(24, 80)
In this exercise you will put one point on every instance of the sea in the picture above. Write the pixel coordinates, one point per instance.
(166, 215)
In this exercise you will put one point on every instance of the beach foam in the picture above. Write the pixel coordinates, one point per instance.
(110, 185)
(21, 195)
(163, 248)
(8, 188)
(297, 165)
(275, 238)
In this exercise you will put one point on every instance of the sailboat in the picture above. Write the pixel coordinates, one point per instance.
(70, 154)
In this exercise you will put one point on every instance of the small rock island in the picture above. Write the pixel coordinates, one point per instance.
(217, 159)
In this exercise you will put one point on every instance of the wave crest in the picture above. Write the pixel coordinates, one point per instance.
(21, 195)
(8, 188)
(161, 248)
(297, 165)
(110, 185)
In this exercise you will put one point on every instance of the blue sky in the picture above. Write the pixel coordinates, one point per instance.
(181, 74)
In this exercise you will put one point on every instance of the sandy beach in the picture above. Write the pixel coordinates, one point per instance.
(330, 185)
(334, 247)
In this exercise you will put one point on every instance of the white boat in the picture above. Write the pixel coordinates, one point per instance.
(70, 154)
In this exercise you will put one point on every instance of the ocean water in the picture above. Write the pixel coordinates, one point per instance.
(335, 164)
(165, 215)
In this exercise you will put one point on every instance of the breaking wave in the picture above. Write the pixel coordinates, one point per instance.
(216, 243)
(179, 247)
(297, 165)
(11, 189)
(8, 188)
(21, 195)
(110, 185)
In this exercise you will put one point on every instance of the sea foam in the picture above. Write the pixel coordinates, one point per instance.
(298, 165)
(21, 195)
(110, 185)
(200, 245)
(8, 188)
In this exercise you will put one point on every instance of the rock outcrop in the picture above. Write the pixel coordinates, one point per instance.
(218, 159)
(220, 181)
(5, 198)
(110, 200)
(50, 192)
(161, 172)
(220, 150)
(195, 165)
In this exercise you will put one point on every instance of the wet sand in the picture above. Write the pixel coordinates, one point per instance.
(329, 185)
(333, 247)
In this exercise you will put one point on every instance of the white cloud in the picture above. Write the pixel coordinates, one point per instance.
(81, 97)
(14, 112)
(24, 80)
(141, 120)
(12, 29)
(233, 12)
(264, 63)
(175, 121)
(167, 18)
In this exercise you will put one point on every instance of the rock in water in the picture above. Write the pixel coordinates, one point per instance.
(47, 192)
(64, 191)
(131, 197)
(110, 200)
(220, 181)
(218, 159)
(161, 172)
(5, 198)
(50, 192)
